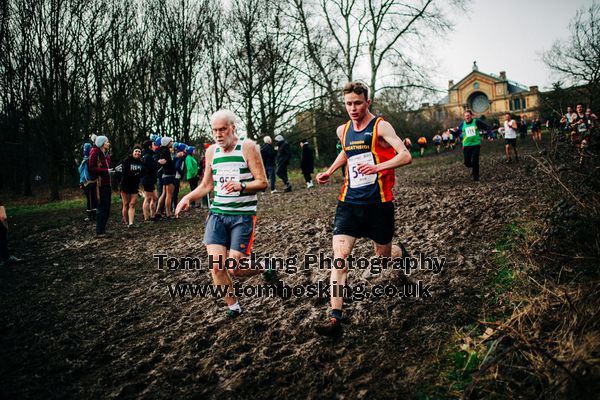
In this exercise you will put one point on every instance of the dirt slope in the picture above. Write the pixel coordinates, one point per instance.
(93, 319)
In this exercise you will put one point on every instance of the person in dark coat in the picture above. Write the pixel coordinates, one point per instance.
(283, 160)
(99, 165)
(307, 163)
(268, 154)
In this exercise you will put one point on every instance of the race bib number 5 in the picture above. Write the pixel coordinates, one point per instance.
(357, 179)
(225, 175)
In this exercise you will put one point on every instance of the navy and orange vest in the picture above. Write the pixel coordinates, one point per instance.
(356, 143)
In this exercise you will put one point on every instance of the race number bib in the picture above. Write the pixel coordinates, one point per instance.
(357, 179)
(471, 131)
(225, 175)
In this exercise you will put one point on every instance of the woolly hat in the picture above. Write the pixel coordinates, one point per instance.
(279, 138)
(100, 140)
(86, 149)
(190, 150)
(181, 146)
(164, 141)
(157, 141)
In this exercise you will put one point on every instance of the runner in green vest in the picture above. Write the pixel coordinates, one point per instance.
(234, 170)
(470, 131)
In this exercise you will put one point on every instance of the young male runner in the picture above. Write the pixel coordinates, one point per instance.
(235, 171)
(510, 137)
(471, 140)
(371, 150)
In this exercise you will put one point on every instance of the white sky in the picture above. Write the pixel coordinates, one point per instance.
(505, 35)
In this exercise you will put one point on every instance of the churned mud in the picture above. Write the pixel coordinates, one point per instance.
(87, 318)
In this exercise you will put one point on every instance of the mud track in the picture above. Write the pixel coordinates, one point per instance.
(84, 318)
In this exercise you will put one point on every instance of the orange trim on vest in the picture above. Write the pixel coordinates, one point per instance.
(384, 178)
(376, 154)
(345, 186)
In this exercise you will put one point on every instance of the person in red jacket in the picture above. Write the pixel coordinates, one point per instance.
(99, 165)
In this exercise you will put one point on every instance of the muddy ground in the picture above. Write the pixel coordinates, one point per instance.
(84, 318)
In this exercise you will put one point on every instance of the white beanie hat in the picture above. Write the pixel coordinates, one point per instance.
(100, 140)
(279, 138)
(165, 140)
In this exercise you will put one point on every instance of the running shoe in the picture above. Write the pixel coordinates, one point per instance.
(331, 329)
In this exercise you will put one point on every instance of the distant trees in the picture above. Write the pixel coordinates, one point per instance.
(70, 68)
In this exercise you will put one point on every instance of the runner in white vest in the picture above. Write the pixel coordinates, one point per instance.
(510, 137)
(234, 170)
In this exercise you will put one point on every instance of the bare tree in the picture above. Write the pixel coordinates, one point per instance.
(577, 60)
(182, 26)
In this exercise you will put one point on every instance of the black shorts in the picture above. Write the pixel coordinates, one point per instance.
(168, 180)
(129, 189)
(512, 142)
(373, 221)
(148, 187)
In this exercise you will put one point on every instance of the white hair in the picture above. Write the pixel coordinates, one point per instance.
(227, 115)
(267, 139)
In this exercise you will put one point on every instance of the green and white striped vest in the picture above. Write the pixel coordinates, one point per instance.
(231, 166)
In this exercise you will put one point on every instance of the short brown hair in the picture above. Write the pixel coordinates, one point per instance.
(356, 87)
(468, 110)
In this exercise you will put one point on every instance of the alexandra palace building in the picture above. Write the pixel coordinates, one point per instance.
(485, 94)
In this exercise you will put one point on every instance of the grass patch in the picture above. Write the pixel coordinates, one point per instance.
(470, 347)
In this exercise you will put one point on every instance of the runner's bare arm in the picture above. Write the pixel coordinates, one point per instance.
(204, 188)
(257, 169)
(340, 160)
(402, 157)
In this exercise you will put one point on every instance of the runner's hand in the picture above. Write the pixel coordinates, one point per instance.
(322, 178)
(367, 169)
(231, 186)
(183, 205)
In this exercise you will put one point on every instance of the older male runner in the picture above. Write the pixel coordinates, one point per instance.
(371, 150)
(235, 171)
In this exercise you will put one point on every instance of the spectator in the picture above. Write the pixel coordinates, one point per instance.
(99, 165)
(268, 155)
(130, 184)
(283, 160)
(307, 163)
(191, 170)
(87, 182)
(150, 166)
(5, 256)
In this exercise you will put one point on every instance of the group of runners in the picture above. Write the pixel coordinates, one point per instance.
(578, 127)
(451, 137)
(447, 139)
(370, 151)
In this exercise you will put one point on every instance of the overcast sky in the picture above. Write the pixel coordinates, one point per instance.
(505, 35)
